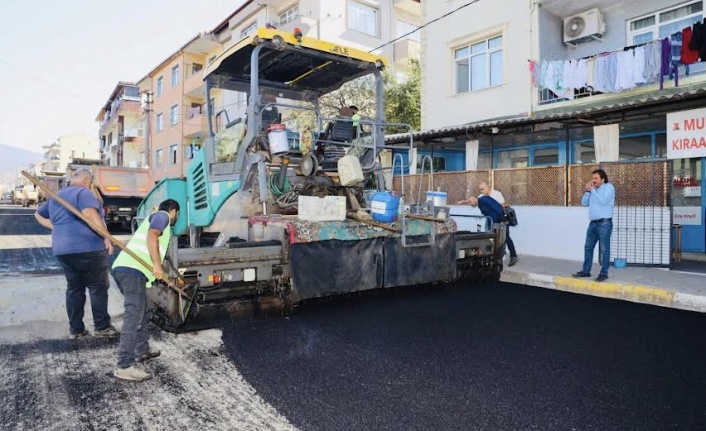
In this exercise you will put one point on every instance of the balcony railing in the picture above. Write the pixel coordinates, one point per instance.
(195, 124)
(193, 81)
(567, 80)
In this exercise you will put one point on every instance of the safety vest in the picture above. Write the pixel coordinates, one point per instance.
(138, 245)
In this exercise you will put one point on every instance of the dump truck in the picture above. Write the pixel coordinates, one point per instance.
(25, 195)
(119, 189)
(269, 219)
(53, 182)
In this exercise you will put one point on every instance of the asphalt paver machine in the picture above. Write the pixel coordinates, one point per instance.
(268, 216)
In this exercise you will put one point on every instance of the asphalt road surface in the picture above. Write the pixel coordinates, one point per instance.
(485, 357)
(503, 357)
(25, 246)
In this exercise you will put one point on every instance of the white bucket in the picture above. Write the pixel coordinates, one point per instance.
(277, 137)
(349, 170)
(437, 198)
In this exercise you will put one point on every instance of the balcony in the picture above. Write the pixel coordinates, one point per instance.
(405, 49)
(194, 85)
(195, 125)
(594, 92)
(127, 105)
(413, 7)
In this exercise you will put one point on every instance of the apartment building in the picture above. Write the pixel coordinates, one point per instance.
(361, 24)
(535, 94)
(66, 148)
(177, 110)
(120, 127)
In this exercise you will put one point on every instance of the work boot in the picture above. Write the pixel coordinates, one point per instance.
(513, 260)
(135, 374)
(601, 277)
(78, 335)
(147, 356)
(581, 274)
(108, 332)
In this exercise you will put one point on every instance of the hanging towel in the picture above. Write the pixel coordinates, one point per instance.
(606, 140)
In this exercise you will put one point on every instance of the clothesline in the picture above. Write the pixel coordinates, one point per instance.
(622, 69)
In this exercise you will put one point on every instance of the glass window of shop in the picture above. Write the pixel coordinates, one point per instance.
(686, 180)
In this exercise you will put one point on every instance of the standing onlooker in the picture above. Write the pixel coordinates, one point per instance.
(495, 194)
(150, 243)
(81, 252)
(599, 197)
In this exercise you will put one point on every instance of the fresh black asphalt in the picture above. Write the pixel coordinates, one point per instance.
(485, 357)
(15, 220)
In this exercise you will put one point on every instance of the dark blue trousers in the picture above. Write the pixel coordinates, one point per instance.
(598, 232)
(86, 271)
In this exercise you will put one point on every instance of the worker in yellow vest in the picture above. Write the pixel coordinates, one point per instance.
(150, 242)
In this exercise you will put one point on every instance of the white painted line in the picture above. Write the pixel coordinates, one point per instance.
(15, 242)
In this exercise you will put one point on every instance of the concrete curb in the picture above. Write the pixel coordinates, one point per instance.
(614, 290)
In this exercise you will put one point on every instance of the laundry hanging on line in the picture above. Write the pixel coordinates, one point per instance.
(630, 67)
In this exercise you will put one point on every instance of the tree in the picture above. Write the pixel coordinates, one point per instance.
(402, 100)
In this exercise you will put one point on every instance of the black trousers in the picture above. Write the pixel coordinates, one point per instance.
(86, 271)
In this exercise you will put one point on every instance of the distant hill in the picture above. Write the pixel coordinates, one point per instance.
(12, 159)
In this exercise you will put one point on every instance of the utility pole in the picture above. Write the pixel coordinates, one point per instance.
(147, 107)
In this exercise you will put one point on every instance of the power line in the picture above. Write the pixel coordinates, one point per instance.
(425, 25)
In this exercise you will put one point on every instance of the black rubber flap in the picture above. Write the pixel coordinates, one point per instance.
(325, 268)
(407, 266)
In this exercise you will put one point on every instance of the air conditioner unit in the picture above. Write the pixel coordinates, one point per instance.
(585, 26)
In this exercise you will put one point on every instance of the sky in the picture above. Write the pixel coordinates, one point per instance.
(61, 60)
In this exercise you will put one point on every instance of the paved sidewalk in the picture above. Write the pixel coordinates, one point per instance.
(656, 286)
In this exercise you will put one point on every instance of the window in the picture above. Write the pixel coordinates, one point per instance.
(362, 18)
(545, 156)
(513, 159)
(439, 163)
(189, 151)
(160, 122)
(160, 85)
(289, 15)
(241, 99)
(663, 23)
(635, 147)
(485, 161)
(175, 75)
(661, 145)
(249, 30)
(584, 152)
(479, 65)
(173, 154)
(404, 27)
(133, 92)
(158, 162)
(174, 115)
(211, 59)
(196, 68)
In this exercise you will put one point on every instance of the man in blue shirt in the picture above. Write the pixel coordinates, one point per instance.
(599, 197)
(81, 252)
(488, 206)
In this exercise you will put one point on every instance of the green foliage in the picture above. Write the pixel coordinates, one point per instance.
(402, 100)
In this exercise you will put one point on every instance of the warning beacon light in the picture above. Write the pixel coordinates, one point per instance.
(298, 34)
